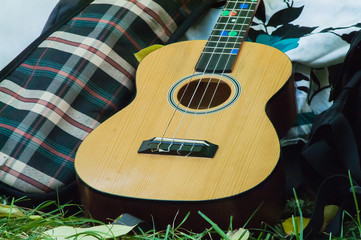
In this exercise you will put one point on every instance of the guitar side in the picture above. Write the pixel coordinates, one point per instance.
(109, 166)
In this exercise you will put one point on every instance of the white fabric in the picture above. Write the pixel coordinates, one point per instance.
(314, 34)
(21, 22)
(202, 28)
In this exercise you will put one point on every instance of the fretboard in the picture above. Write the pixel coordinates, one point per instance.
(227, 36)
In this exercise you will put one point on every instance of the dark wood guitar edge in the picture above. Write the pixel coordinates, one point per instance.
(268, 197)
(281, 109)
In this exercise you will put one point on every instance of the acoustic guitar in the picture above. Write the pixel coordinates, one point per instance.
(201, 135)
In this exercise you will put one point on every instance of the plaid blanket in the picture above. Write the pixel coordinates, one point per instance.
(75, 79)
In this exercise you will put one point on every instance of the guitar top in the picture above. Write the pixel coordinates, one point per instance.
(248, 145)
(199, 127)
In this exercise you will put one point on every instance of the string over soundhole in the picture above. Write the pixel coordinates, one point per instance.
(204, 93)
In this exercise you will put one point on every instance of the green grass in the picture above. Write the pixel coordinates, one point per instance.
(21, 223)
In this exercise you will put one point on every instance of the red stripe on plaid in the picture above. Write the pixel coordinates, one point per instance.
(154, 15)
(95, 51)
(37, 141)
(73, 78)
(185, 6)
(118, 27)
(26, 179)
(48, 105)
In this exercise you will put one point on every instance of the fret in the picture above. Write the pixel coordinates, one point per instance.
(247, 6)
(221, 53)
(237, 1)
(228, 32)
(230, 28)
(216, 49)
(227, 18)
(227, 36)
(234, 12)
(221, 44)
(227, 48)
(218, 42)
(241, 2)
(230, 39)
(226, 26)
(230, 52)
(233, 20)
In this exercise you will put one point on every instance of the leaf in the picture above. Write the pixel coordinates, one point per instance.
(329, 213)
(277, 42)
(286, 44)
(261, 12)
(253, 34)
(348, 37)
(290, 228)
(293, 31)
(91, 233)
(284, 16)
(240, 234)
(10, 211)
(145, 51)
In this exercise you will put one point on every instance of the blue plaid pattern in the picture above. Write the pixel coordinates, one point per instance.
(78, 77)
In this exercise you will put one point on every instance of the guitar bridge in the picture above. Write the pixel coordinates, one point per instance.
(178, 147)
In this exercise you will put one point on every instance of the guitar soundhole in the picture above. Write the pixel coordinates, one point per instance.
(201, 93)
(204, 93)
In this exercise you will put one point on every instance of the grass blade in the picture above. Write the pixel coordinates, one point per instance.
(215, 226)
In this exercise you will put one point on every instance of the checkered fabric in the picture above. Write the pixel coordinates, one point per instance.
(78, 77)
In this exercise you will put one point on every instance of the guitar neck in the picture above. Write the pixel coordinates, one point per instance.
(227, 36)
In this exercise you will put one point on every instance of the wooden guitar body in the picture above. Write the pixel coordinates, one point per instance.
(254, 106)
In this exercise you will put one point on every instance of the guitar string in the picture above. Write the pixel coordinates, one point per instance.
(239, 40)
(230, 17)
(172, 116)
(180, 100)
(175, 110)
(201, 79)
(198, 84)
(219, 22)
(218, 61)
(251, 10)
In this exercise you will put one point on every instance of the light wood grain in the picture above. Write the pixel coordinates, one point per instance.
(248, 150)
